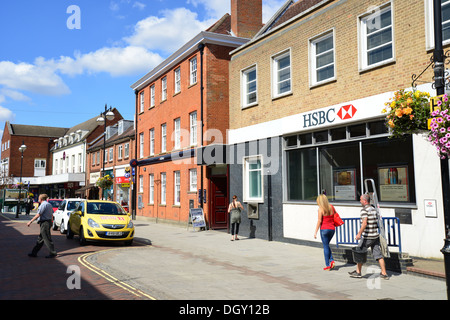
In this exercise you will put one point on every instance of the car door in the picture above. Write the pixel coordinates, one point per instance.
(75, 218)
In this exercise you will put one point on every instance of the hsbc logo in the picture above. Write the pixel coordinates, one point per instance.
(347, 112)
(322, 117)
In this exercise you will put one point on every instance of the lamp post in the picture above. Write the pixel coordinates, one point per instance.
(22, 148)
(439, 79)
(108, 114)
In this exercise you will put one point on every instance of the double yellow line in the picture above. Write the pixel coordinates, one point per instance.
(138, 293)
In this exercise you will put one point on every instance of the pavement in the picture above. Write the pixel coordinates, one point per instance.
(168, 262)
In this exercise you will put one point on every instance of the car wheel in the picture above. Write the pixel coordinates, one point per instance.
(62, 229)
(82, 238)
(69, 234)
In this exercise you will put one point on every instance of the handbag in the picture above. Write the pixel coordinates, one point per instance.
(337, 219)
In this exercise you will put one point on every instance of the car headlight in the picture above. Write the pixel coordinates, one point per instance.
(130, 224)
(93, 224)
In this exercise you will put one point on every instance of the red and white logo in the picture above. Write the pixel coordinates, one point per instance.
(347, 112)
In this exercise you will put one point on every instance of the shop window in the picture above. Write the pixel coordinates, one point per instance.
(253, 179)
(338, 134)
(302, 174)
(305, 139)
(358, 130)
(321, 136)
(291, 141)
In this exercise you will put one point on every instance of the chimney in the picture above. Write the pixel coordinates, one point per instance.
(246, 17)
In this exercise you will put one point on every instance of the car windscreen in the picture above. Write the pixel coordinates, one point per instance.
(105, 208)
(55, 203)
(72, 205)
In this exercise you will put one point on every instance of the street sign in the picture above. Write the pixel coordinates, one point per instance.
(434, 106)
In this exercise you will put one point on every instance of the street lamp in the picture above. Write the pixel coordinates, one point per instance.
(108, 114)
(22, 148)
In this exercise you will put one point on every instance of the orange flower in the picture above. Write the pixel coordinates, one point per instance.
(391, 123)
(411, 117)
(399, 113)
(407, 111)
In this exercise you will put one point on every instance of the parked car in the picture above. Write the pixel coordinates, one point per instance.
(55, 203)
(99, 220)
(61, 215)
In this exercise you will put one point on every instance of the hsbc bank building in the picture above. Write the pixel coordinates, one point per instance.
(277, 169)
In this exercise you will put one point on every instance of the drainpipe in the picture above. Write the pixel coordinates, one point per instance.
(201, 48)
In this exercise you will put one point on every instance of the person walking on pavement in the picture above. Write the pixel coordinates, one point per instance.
(368, 237)
(325, 222)
(45, 215)
(28, 205)
(234, 209)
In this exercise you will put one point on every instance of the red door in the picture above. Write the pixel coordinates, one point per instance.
(219, 202)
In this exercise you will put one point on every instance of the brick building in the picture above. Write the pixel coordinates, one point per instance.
(306, 100)
(188, 89)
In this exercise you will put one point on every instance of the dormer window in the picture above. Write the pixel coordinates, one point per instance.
(120, 127)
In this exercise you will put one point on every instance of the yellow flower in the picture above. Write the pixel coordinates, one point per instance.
(393, 104)
(409, 101)
(407, 111)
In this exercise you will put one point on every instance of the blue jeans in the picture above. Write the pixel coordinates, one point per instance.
(327, 235)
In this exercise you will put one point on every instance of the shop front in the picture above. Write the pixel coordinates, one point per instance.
(333, 150)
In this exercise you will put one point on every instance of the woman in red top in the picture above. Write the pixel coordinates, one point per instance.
(325, 221)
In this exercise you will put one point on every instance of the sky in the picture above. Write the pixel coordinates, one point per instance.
(61, 61)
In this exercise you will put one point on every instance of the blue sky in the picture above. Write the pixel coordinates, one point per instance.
(52, 75)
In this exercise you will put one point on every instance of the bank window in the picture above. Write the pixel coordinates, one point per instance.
(322, 59)
(339, 169)
(249, 87)
(281, 74)
(253, 179)
(376, 31)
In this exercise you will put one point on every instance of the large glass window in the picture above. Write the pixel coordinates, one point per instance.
(249, 87)
(281, 78)
(253, 179)
(322, 59)
(340, 168)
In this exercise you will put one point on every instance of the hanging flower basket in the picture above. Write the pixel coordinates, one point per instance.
(439, 135)
(407, 112)
(105, 182)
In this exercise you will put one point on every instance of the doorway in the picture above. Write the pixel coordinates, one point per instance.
(219, 202)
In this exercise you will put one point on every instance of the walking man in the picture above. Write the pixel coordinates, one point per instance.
(45, 215)
(370, 237)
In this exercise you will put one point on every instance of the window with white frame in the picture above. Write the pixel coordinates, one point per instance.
(249, 87)
(322, 58)
(253, 179)
(56, 166)
(80, 163)
(98, 157)
(177, 134)
(120, 152)
(152, 96)
(177, 80)
(141, 145)
(193, 180)
(127, 150)
(281, 74)
(429, 22)
(93, 158)
(177, 188)
(193, 70)
(163, 188)
(142, 100)
(73, 163)
(164, 89)
(163, 137)
(193, 128)
(376, 42)
(141, 183)
(151, 188)
(152, 141)
(111, 154)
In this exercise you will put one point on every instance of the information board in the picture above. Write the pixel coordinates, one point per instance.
(197, 217)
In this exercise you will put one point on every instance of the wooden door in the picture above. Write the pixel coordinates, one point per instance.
(219, 202)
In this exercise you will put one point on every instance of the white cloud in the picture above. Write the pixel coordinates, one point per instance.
(6, 114)
(33, 78)
(169, 32)
(214, 8)
(139, 5)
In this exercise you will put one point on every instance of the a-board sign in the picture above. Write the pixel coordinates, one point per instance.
(197, 217)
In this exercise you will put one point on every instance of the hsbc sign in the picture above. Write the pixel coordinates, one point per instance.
(321, 117)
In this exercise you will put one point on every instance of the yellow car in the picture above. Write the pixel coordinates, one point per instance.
(98, 220)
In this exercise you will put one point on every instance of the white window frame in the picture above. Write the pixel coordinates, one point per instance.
(193, 180)
(177, 79)
(362, 36)
(176, 188)
(275, 71)
(152, 96)
(163, 187)
(127, 150)
(164, 88)
(193, 71)
(152, 141)
(120, 152)
(151, 188)
(141, 145)
(142, 101)
(244, 86)
(246, 175)
(141, 184)
(429, 25)
(177, 133)
(111, 154)
(163, 137)
(313, 57)
(193, 128)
